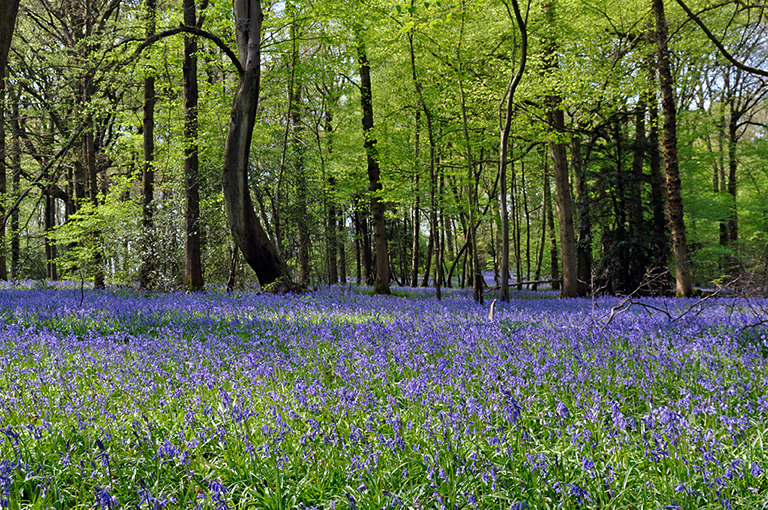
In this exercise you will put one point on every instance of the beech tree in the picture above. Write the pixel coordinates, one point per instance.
(249, 236)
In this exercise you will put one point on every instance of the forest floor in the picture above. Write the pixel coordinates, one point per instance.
(338, 399)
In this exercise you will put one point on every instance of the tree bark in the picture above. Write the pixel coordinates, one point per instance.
(8, 12)
(332, 234)
(50, 248)
(341, 239)
(733, 228)
(583, 219)
(550, 223)
(683, 287)
(148, 252)
(247, 232)
(563, 199)
(193, 267)
(381, 283)
(660, 246)
(15, 185)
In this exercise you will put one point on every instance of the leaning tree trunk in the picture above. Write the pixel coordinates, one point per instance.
(193, 267)
(669, 146)
(381, 283)
(249, 236)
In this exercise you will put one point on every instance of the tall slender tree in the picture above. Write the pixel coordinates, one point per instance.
(148, 248)
(193, 267)
(381, 283)
(669, 148)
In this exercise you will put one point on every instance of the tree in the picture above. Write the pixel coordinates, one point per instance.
(8, 11)
(505, 129)
(193, 269)
(555, 118)
(148, 172)
(669, 144)
(247, 232)
(381, 284)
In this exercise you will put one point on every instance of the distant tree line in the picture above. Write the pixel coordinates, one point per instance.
(485, 143)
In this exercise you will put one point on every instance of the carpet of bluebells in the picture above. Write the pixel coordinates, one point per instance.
(342, 400)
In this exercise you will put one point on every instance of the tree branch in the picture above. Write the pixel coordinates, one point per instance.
(719, 44)
(189, 30)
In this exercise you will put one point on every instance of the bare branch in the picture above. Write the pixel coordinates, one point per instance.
(718, 44)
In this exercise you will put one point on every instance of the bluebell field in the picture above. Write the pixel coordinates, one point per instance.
(342, 400)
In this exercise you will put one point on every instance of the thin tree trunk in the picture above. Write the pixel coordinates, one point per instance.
(332, 235)
(148, 250)
(416, 226)
(50, 247)
(733, 229)
(428, 258)
(542, 240)
(434, 239)
(553, 251)
(193, 268)
(232, 276)
(675, 200)
(477, 290)
(527, 212)
(505, 128)
(342, 237)
(299, 171)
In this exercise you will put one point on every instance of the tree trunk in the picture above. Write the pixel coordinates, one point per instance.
(477, 290)
(341, 239)
(733, 230)
(416, 223)
(675, 200)
(3, 177)
(193, 268)
(331, 232)
(564, 206)
(299, 171)
(553, 251)
(15, 186)
(563, 200)
(505, 129)
(232, 276)
(583, 219)
(660, 247)
(148, 235)
(381, 283)
(8, 11)
(428, 257)
(247, 232)
(50, 248)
